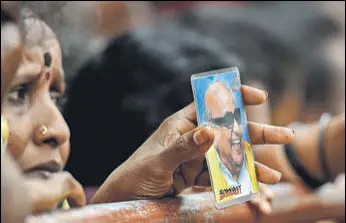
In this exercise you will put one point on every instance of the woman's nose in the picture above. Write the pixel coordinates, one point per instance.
(51, 135)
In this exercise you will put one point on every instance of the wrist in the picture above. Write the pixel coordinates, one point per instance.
(113, 189)
(306, 148)
(334, 146)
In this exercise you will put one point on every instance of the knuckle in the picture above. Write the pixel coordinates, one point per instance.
(166, 123)
(180, 145)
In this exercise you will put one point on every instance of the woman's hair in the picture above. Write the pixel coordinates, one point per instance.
(74, 24)
(34, 29)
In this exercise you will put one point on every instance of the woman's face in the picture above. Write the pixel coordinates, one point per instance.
(39, 135)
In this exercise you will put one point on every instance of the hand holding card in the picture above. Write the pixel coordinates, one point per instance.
(170, 160)
(230, 160)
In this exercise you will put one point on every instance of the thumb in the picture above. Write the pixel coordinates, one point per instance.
(188, 146)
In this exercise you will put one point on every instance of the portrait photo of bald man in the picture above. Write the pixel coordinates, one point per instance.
(230, 160)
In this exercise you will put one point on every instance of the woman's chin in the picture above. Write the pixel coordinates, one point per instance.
(38, 174)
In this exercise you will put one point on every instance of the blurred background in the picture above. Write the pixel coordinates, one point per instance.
(128, 65)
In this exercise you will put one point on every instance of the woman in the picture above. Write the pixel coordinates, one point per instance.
(167, 163)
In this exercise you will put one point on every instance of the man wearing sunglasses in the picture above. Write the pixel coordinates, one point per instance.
(232, 151)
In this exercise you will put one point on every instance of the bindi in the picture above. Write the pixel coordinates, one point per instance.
(47, 59)
(47, 62)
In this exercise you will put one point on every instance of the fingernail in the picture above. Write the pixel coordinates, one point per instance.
(266, 93)
(278, 175)
(289, 134)
(200, 137)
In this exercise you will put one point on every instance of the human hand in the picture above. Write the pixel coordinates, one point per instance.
(263, 202)
(172, 159)
(47, 193)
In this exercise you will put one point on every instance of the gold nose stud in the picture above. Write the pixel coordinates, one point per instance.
(43, 130)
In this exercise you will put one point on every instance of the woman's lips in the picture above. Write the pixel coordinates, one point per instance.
(44, 170)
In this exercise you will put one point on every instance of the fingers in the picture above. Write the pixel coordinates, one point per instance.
(267, 134)
(266, 192)
(179, 182)
(188, 112)
(253, 96)
(204, 179)
(47, 193)
(192, 169)
(267, 175)
(262, 204)
(187, 147)
(183, 126)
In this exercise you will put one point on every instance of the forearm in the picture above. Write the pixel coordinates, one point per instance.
(306, 147)
(322, 153)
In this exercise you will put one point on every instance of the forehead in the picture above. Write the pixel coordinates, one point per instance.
(39, 37)
(39, 40)
(219, 92)
(219, 99)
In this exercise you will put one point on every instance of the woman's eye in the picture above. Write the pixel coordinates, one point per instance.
(19, 94)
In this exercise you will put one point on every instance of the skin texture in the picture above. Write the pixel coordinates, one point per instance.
(219, 101)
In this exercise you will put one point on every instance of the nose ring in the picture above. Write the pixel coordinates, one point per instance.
(43, 130)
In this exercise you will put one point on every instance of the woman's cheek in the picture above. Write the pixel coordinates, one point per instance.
(17, 142)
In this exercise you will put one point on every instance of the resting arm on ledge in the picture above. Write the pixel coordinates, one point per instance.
(199, 207)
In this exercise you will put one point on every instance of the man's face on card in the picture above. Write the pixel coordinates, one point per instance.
(226, 117)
